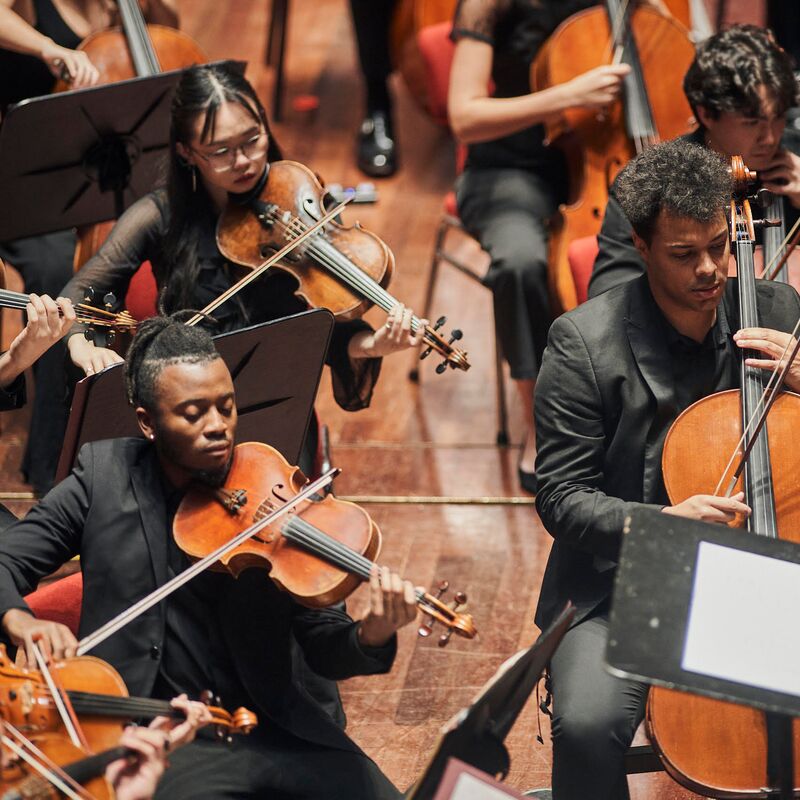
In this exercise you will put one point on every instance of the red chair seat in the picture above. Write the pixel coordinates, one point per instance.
(59, 601)
(142, 293)
(581, 254)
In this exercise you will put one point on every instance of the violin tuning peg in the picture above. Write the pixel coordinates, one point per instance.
(88, 295)
(455, 335)
(439, 322)
(440, 368)
(425, 353)
(109, 300)
(444, 639)
(425, 630)
(459, 599)
(442, 587)
(89, 334)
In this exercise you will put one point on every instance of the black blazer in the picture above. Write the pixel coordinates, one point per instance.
(604, 398)
(111, 510)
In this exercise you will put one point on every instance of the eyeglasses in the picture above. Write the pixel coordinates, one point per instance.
(224, 158)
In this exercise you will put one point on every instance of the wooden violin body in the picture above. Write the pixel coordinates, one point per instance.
(295, 193)
(597, 146)
(268, 480)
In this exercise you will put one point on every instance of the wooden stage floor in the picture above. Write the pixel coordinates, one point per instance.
(436, 441)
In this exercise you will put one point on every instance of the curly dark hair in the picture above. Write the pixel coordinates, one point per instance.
(158, 343)
(678, 176)
(731, 66)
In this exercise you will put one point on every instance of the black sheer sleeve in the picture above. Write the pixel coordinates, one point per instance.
(477, 19)
(135, 238)
(353, 379)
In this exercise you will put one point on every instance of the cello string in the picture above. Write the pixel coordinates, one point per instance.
(765, 401)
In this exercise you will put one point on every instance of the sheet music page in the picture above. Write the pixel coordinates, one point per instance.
(742, 619)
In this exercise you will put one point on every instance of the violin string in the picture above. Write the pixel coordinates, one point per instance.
(67, 719)
(26, 750)
(88, 702)
(345, 269)
(320, 543)
(122, 619)
(351, 274)
(265, 265)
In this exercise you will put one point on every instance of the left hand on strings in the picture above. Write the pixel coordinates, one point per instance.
(392, 337)
(392, 604)
(782, 176)
(44, 328)
(771, 343)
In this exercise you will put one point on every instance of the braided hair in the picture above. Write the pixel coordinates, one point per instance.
(160, 342)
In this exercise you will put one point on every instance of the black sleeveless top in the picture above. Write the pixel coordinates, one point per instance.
(23, 76)
(515, 29)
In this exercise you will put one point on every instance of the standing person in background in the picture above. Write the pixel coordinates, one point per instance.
(376, 148)
(37, 45)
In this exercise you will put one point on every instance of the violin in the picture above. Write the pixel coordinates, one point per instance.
(597, 146)
(133, 51)
(319, 554)
(715, 748)
(98, 696)
(40, 767)
(343, 269)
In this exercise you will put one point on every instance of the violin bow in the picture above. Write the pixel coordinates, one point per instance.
(138, 608)
(26, 750)
(790, 242)
(259, 270)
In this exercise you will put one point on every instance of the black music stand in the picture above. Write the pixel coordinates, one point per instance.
(477, 737)
(675, 621)
(276, 369)
(118, 133)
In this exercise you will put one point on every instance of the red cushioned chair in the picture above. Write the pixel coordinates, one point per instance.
(59, 601)
(437, 54)
(581, 254)
(142, 294)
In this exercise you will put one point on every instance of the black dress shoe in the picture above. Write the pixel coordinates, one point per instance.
(527, 480)
(377, 153)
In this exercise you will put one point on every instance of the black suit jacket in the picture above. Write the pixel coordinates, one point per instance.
(618, 260)
(604, 398)
(111, 510)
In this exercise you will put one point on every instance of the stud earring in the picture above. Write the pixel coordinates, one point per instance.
(152, 437)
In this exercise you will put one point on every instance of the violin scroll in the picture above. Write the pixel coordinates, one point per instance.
(101, 322)
(447, 615)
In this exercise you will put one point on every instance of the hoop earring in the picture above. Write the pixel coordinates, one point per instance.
(194, 178)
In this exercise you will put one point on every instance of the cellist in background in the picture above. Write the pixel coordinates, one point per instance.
(37, 45)
(740, 85)
(617, 372)
(512, 182)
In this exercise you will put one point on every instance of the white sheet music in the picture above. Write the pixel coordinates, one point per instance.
(468, 787)
(742, 619)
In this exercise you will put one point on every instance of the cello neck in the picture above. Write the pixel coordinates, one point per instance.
(639, 120)
(143, 55)
(759, 494)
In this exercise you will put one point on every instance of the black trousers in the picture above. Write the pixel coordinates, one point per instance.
(506, 210)
(275, 766)
(595, 717)
(372, 20)
(45, 263)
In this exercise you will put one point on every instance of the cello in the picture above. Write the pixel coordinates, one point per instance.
(712, 747)
(596, 147)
